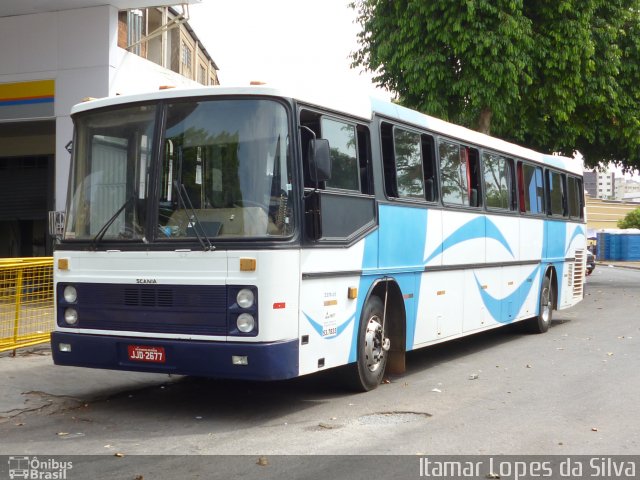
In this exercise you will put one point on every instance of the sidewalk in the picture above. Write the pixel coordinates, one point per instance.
(613, 263)
(31, 382)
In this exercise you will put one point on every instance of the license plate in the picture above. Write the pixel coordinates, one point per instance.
(141, 353)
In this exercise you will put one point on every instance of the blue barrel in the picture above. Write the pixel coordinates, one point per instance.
(633, 247)
(621, 247)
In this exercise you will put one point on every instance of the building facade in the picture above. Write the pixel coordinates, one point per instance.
(627, 189)
(600, 184)
(162, 36)
(66, 55)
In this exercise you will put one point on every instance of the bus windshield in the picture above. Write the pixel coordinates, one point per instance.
(226, 170)
(110, 180)
(223, 171)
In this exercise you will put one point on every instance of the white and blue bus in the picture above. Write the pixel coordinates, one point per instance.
(249, 233)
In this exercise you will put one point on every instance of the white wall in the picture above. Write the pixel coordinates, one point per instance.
(78, 49)
(72, 48)
(134, 74)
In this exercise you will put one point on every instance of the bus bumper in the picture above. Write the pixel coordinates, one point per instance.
(264, 361)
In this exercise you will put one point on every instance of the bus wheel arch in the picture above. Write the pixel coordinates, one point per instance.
(380, 336)
(397, 323)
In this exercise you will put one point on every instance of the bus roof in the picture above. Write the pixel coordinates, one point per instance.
(358, 105)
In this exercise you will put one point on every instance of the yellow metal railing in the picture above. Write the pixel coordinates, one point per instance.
(26, 302)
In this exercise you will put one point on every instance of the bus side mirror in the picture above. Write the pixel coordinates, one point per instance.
(319, 160)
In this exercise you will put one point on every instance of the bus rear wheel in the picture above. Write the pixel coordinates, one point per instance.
(373, 346)
(541, 322)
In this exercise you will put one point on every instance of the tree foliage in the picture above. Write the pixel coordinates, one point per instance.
(554, 75)
(631, 220)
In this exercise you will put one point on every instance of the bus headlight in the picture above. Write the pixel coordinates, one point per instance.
(245, 298)
(246, 323)
(70, 294)
(71, 316)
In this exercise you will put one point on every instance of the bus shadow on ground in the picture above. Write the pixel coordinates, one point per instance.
(225, 405)
(457, 349)
(233, 398)
(216, 403)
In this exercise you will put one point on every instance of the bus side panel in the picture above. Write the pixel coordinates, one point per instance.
(489, 297)
(477, 314)
(576, 249)
(554, 251)
(464, 238)
(440, 308)
(532, 241)
(405, 235)
(442, 301)
(410, 240)
(328, 317)
(503, 239)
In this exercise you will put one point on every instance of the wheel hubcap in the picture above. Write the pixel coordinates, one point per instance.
(373, 344)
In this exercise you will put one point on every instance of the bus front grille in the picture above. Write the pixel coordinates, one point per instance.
(173, 309)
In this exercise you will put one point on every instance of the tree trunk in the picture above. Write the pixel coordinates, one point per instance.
(484, 121)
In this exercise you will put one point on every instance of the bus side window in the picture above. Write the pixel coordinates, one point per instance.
(520, 186)
(473, 175)
(498, 181)
(574, 198)
(557, 193)
(531, 189)
(364, 157)
(308, 121)
(345, 169)
(408, 163)
(350, 146)
(388, 161)
(459, 174)
(429, 167)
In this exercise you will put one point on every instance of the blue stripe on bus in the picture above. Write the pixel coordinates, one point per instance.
(402, 237)
(402, 241)
(479, 227)
(402, 227)
(578, 231)
(518, 297)
(554, 249)
(554, 240)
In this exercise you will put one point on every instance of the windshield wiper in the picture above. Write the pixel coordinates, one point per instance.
(101, 233)
(180, 189)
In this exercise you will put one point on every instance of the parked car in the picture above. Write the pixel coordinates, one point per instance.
(591, 262)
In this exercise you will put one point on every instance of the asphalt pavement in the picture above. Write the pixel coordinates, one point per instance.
(30, 381)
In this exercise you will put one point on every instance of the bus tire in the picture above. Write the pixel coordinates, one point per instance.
(541, 322)
(366, 374)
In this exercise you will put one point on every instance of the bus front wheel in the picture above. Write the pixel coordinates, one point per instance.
(373, 347)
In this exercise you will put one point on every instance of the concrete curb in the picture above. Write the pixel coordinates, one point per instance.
(627, 265)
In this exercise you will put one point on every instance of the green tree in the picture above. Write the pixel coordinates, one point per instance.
(553, 75)
(631, 220)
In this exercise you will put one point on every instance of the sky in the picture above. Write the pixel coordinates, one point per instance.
(300, 43)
